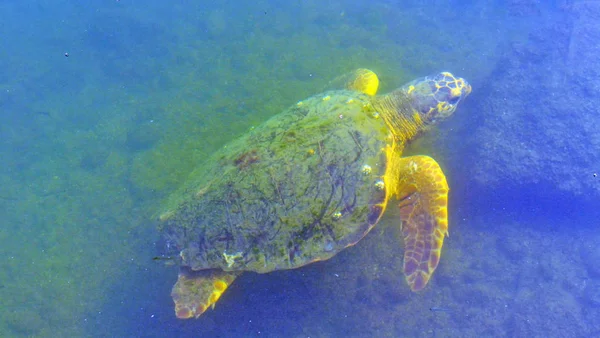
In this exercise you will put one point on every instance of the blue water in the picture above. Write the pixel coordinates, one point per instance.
(107, 106)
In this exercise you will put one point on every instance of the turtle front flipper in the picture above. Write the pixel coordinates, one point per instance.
(361, 80)
(423, 194)
(195, 291)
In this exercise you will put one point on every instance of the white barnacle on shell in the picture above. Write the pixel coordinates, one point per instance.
(230, 259)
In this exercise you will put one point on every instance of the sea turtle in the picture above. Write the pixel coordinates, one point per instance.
(310, 182)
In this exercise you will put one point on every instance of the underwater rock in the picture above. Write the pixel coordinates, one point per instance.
(536, 132)
(523, 7)
(590, 256)
(592, 293)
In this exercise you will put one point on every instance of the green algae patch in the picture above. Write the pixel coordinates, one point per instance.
(89, 165)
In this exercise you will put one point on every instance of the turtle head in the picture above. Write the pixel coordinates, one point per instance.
(436, 97)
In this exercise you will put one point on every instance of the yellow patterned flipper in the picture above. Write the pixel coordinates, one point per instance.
(423, 194)
(364, 81)
(361, 80)
(195, 291)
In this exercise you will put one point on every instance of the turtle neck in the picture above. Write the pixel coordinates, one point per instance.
(396, 110)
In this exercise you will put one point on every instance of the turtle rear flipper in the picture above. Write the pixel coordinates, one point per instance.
(423, 194)
(195, 291)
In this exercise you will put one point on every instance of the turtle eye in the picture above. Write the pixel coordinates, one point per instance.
(454, 100)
